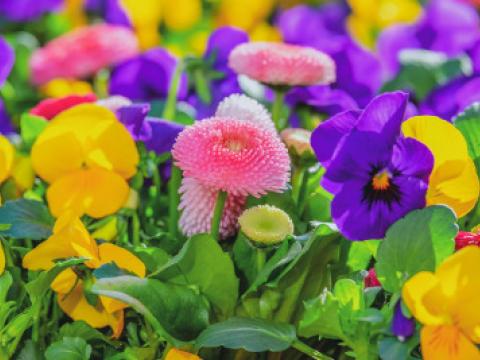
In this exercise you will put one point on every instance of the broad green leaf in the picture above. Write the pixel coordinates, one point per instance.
(81, 329)
(69, 349)
(360, 254)
(153, 257)
(253, 335)
(6, 281)
(321, 318)
(175, 311)
(29, 351)
(28, 219)
(204, 264)
(30, 127)
(418, 242)
(109, 270)
(37, 288)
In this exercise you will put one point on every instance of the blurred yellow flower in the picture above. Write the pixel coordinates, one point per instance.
(145, 17)
(86, 155)
(446, 303)
(265, 32)
(370, 17)
(454, 181)
(22, 172)
(71, 239)
(73, 11)
(2, 259)
(180, 15)
(176, 354)
(7, 155)
(245, 14)
(59, 88)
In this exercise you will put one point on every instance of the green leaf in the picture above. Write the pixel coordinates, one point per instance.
(468, 122)
(28, 219)
(30, 127)
(29, 351)
(81, 329)
(202, 263)
(418, 242)
(253, 335)
(69, 349)
(360, 253)
(37, 288)
(176, 312)
(109, 270)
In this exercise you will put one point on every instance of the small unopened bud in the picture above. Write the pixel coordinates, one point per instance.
(298, 144)
(371, 279)
(266, 225)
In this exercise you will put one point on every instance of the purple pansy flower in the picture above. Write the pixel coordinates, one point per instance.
(7, 59)
(447, 26)
(220, 43)
(111, 10)
(376, 175)
(25, 10)
(146, 77)
(323, 28)
(448, 100)
(402, 326)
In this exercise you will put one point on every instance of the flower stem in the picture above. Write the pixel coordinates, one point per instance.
(307, 350)
(302, 192)
(277, 109)
(261, 259)
(217, 214)
(136, 229)
(174, 200)
(171, 104)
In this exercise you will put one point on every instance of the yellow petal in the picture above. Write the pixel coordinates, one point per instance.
(107, 232)
(176, 354)
(124, 259)
(96, 192)
(362, 30)
(454, 181)
(181, 15)
(2, 259)
(446, 343)
(22, 172)
(7, 153)
(64, 282)
(59, 88)
(364, 8)
(424, 298)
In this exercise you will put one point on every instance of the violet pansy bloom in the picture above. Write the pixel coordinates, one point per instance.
(376, 176)
(447, 26)
(7, 58)
(111, 10)
(402, 326)
(146, 77)
(26, 10)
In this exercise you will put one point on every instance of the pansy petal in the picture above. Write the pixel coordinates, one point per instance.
(96, 192)
(7, 154)
(446, 343)
(64, 282)
(326, 137)
(2, 259)
(412, 158)
(384, 115)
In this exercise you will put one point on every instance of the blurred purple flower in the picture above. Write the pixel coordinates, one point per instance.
(447, 26)
(220, 43)
(376, 175)
(323, 28)
(6, 126)
(25, 10)
(7, 59)
(146, 77)
(402, 326)
(450, 99)
(111, 10)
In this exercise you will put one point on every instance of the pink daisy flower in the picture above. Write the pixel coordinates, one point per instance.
(197, 205)
(83, 52)
(239, 157)
(242, 107)
(282, 64)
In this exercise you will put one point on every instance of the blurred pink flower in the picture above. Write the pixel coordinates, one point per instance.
(282, 64)
(239, 157)
(83, 52)
(197, 205)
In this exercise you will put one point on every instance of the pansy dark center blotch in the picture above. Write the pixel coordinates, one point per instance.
(381, 187)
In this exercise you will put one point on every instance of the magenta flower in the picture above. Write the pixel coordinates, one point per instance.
(197, 204)
(282, 64)
(83, 52)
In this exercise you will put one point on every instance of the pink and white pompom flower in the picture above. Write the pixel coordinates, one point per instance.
(83, 52)
(280, 64)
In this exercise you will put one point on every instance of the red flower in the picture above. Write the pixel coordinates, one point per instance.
(465, 238)
(49, 108)
(371, 279)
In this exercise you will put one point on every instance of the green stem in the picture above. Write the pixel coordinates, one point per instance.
(171, 103)
(136, 229)
(302, 193)
(217, 214)
(174, 200)
(277, 109)
(261, 259)
(307, 350)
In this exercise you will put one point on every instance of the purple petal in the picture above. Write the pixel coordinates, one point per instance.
(25, 10)
(326, 137)
(133, 117)
(7, 58)
(163, 137)
(6, 126)
(401, 325)
(221, 42)
(412, 158)
(384, 115)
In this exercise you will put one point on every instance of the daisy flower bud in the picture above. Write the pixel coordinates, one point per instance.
(82, 53)
(266, 225)
(298, 144)
(197, 205)
(239, 157)
(242, 107)
(282, 64)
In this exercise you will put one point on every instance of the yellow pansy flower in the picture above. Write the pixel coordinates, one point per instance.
(454, 181)
(58, 88)
(86, 155)
(265, 32)
(176, 354)
(71, 239)
(181, 15)
(369, 17)
(7, 156)
(73, 11)
(245, 14)
(446, 303)
(22, 172)
(2, 259)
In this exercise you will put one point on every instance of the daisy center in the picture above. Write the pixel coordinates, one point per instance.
(381, 181)
(234, 145)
